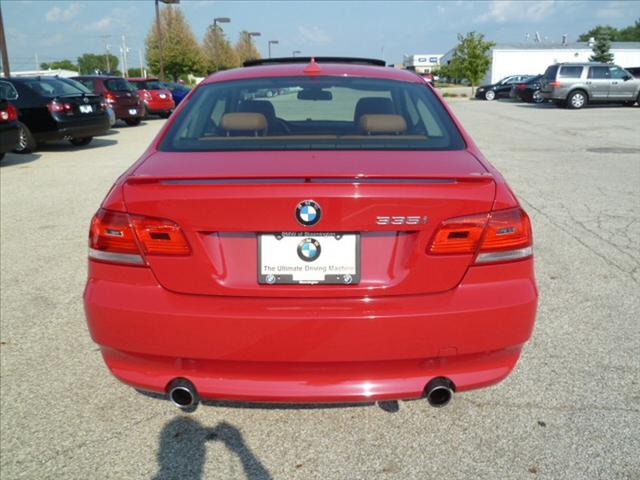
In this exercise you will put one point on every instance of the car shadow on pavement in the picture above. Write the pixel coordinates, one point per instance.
(18, 158)
(182, 452)
(97, 142)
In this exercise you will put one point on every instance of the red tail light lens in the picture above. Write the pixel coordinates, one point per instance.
(554, 84)
(119, 237)
(497, 236)
(521, 86)
(459, 235)
(58, 107)
(9, 114)
(109, 98)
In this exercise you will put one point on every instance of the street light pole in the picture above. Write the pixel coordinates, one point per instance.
(215, 38)
(160, 43)
(3, 47)
(272, 42)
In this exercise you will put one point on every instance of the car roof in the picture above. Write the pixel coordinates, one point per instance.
(585, 64)
(326, 69)
(98, 77)
(140, 79)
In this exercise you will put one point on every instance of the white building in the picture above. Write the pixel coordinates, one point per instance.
(422, 63)
(534, 58)
(46, 73)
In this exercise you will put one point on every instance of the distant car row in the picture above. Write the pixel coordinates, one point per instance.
(35, 110)
(571, 85)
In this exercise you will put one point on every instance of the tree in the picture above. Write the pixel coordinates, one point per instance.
(218, 51)
(135, 72)
(601, 51)
(181, 52)
(627, 34)
(62, 64)
(471, 58)
(245, 48)
(92, 62)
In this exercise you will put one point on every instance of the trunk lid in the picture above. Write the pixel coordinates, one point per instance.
(223, 200)
(125, 98)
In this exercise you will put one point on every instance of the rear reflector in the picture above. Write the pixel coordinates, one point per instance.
(501, 235)
(119, 237)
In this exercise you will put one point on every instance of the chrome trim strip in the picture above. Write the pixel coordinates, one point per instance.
(116, 257)
(506, 255)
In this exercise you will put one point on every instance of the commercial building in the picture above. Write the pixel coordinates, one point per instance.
(422, 63)
(534, 58)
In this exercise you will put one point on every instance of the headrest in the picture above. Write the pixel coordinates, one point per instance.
(243, 121)
(369, 105)
(258, 106)
(382, 124)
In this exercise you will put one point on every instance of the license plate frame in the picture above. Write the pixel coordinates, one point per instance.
(296, 271)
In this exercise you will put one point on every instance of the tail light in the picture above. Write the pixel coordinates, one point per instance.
(145, 95)
(123, 238)
(58, 107)
(554, 84)
(9, 114)
(497, 236)
(109, 98)
(521, 86)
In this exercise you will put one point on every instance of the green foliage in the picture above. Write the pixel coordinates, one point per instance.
(245, 48)
(181, 52)
(601, 51)
(218, 51)
(91, 62)
(627, 34)
(471, 58)
(62, 64)
(135, 72)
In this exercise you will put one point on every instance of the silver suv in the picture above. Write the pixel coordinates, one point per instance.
(574, 85)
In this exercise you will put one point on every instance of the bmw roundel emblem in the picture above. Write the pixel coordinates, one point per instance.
(309, 249)
(308, 213)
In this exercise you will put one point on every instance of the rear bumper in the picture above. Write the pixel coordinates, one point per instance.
(9, 134)
(124, 111)
(160, 106)
(77, 128)
(311, 350)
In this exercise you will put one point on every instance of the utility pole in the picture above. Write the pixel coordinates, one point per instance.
(37, 64)
(125, 50)
(105, 39)
(3, 47)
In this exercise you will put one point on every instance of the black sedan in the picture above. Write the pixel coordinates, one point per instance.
(500, 89)
(9, 127)
(528, 91)
(51, 109)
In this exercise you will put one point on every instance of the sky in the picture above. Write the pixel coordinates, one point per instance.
(55, 30)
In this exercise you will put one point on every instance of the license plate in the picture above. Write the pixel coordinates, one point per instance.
(309, 258)
(86, 109)
(132, 111)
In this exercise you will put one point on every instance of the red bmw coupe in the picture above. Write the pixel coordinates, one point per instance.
(342, 241)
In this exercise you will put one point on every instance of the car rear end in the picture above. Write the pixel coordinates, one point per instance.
(559, 80)
(123, 98)
(157, 99)
(363, 250)
(9, 127)
(65, 111)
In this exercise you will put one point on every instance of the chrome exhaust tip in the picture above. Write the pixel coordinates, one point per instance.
(182, 393)
(439, 391)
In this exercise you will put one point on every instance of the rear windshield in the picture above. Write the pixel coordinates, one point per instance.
(570, 72)
(313, 113)
(51, 87)
(147, 84)
(76, 84)
(118, 85)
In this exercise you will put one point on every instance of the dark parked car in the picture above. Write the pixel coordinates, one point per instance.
(9, 127)
(635, 71)
(528, 91)
(51, 109)
(119, 94)
(178, 91)
(500, 89)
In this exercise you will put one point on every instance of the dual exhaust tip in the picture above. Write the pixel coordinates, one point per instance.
(183, 394)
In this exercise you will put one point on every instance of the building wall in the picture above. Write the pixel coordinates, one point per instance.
(530, 61)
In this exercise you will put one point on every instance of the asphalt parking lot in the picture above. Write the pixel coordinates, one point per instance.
(570, 410)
